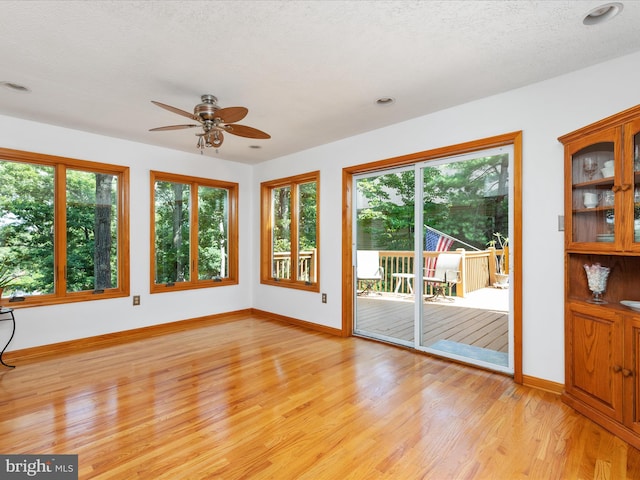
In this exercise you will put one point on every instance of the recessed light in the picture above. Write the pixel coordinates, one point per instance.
(385, 100)
(602, 13)
(16, 87)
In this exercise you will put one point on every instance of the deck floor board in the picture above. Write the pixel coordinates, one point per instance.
(393, 317)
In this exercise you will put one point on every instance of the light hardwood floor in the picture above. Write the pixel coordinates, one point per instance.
(257, 399)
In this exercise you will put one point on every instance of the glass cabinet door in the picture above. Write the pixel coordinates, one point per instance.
(632, 156)
(593, 170)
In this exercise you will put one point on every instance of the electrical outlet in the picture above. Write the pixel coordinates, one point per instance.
(136, 300)
(324, 298)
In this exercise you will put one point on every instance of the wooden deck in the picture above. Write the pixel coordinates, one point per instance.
(393, 317)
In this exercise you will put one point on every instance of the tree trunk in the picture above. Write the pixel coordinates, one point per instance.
(102, 232)
(177, 230)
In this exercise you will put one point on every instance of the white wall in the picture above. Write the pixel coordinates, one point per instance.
(52, 324)
(543, 112)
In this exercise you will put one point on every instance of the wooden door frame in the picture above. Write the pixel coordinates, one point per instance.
(513, 138)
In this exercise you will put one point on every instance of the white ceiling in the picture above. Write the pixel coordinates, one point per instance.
(308, 71)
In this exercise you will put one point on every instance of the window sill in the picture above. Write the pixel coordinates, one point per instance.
(182, 286)
(312, 287)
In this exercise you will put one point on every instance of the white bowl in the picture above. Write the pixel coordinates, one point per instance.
(631, 304)
(607, 172)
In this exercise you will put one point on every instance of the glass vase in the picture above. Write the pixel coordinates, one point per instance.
(597, 280)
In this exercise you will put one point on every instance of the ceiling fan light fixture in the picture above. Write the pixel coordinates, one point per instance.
(602, 13)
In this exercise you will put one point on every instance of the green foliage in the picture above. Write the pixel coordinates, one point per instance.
(307, 218)
(91, 255)
(467, 200)
(27, 227)
(8, 272)
(172, 232)
(281, 205)
(213, 231)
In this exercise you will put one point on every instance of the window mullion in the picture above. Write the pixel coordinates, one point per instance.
(193, 236)
(60, 231)
(294, 231)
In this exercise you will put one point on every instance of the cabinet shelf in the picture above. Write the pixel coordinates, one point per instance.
(593, 210)
(598, 182)
(610, 306)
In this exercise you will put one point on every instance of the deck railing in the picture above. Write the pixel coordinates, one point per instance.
(306, 265)
(477, 269)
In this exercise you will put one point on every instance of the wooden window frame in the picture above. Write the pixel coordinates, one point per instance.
(266, 231)
(194, 282)
(60, 166)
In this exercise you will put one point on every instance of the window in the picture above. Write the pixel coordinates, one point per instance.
(194, 232)
(64, 228)
(289, 233)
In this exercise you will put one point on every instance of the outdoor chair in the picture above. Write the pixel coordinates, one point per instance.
(368, 270)
(444, 276)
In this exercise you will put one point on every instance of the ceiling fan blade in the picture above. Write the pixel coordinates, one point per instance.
(244, 131)
(172, 127)
(176, 110)
(231, 114)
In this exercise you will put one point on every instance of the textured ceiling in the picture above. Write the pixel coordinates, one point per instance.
(308, 71)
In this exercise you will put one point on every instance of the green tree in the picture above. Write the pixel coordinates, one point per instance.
(172, 232)
(27, 227)
(103, 232)
(213, 231)
(467, 200)
(27, 224)
(307, 220)
(281, 219)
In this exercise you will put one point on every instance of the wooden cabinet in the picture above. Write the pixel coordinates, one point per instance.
(602, 225)
(595, 346)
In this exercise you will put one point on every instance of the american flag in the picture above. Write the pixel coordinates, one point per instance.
(434, 241)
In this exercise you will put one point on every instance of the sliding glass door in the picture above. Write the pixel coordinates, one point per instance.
(440, 284)
(465, 227)
(384, 244)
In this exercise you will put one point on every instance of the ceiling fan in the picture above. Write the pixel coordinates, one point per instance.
(214, 121)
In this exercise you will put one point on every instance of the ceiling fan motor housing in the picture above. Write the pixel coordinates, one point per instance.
(208, 108)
